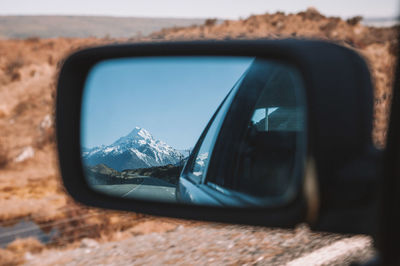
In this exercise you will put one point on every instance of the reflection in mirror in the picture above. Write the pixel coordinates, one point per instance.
(146, 131)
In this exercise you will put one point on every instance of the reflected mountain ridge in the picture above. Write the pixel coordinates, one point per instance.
(138, 149)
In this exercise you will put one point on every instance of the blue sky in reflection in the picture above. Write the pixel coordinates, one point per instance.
(172, 97)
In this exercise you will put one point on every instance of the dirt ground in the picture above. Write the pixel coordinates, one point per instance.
(30, 186)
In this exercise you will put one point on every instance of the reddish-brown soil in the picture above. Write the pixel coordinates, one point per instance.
(30, 184)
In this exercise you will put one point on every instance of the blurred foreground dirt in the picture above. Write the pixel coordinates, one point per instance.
(29, 179)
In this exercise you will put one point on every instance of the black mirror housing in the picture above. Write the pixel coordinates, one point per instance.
(339, 100)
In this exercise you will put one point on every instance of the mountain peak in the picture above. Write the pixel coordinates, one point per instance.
(137, 135)
(138, 131)
(138, 149)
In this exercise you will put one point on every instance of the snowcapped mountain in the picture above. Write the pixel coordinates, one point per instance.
(138, 149)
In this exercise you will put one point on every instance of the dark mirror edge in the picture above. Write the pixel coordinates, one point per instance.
(72, 78)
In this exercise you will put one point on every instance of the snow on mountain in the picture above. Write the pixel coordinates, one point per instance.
(138, 149)
(200, 163)
(201, 159)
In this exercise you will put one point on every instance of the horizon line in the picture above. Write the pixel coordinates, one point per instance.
(378, 17)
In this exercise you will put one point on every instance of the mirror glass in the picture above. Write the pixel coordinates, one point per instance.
(149, 126)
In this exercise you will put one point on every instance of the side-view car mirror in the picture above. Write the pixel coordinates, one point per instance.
(134, 111)
(271, 133)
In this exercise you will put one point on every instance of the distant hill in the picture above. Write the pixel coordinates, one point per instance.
(381, 22)
(21, 27)
(138, 149)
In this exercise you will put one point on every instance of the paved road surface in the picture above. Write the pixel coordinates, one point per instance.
(143, 187)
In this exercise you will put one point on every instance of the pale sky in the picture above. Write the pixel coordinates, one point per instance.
(171, 97)
(231, 9)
